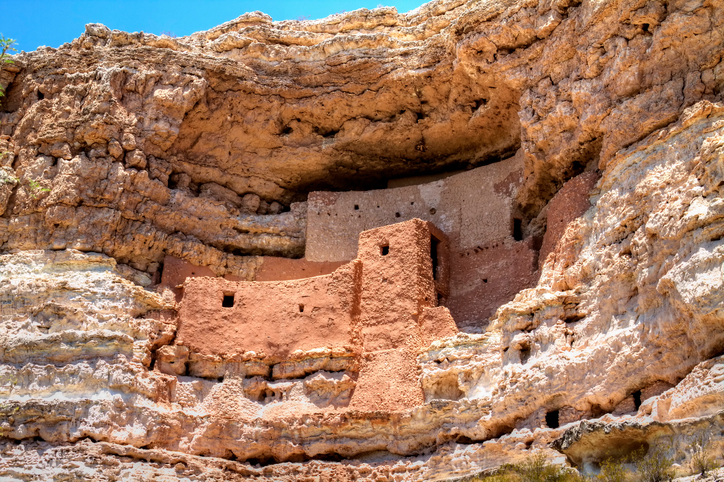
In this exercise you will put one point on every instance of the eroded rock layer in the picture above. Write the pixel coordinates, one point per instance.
(137, 170)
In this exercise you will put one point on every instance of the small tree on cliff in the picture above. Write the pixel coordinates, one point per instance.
(6, 48)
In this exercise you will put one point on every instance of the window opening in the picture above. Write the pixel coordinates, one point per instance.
(524, 354)
(228, 301)
(384, 250)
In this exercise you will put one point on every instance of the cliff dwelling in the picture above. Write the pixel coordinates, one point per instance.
(489, 259)
(370, 317)
(442, 245)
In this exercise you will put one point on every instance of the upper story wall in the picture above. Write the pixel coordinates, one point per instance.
(404, 271)
(473, 208)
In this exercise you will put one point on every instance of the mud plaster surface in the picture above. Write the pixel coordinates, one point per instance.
(374, 306)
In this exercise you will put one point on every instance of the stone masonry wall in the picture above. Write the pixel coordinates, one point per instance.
(472, 208)
(489, 260)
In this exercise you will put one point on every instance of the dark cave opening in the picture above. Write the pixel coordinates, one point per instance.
(637, 399)
(552, 419)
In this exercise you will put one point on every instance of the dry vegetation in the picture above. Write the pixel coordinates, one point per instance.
(654, 465)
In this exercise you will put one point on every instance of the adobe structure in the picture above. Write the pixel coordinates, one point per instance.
(490, 261)
(371, 316)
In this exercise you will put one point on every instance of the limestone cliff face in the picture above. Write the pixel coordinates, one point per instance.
(122, 149)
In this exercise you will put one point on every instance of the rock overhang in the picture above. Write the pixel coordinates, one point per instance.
(586, 86)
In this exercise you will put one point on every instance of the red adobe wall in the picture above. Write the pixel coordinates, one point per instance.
(487, 277)
(396, 286)
(275, 318)
(176, 270)
(569, 203)
(384, 303)
(278, 269)
(475, 208)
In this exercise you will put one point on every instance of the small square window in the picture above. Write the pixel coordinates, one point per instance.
(228, 301)
(384, 250)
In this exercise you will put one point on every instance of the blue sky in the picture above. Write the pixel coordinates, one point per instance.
(53, 22)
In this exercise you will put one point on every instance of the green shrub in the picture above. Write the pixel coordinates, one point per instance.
(533, 469)
(701, 459)
(537, 469)
(613, 470)
(6, 48)
(656, 465)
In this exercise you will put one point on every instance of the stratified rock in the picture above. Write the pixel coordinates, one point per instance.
(124, 151)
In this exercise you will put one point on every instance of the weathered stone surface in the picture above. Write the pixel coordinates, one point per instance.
(570, 82)
(126, 151)
(596, 441)
(571, 202)
(700, 394)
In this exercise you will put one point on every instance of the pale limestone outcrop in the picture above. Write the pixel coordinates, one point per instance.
(200, 148)
(699, 394)
(475, 385)
(75, 326)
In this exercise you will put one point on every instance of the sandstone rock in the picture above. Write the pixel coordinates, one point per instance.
(569, 203)
(274, 208)
(700, 394)
(97, 30)
(136, 159)
(230, 41)
(250, 203)
(172, 359)
(128, 141)
(218, 193)
(129, 154)
(7, 183)
(159, 169)
(115, 149)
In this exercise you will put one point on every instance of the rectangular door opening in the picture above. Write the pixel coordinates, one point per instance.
(434, 242)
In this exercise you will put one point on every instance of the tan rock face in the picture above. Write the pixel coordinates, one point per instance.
(582, 226)
(371, 95)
